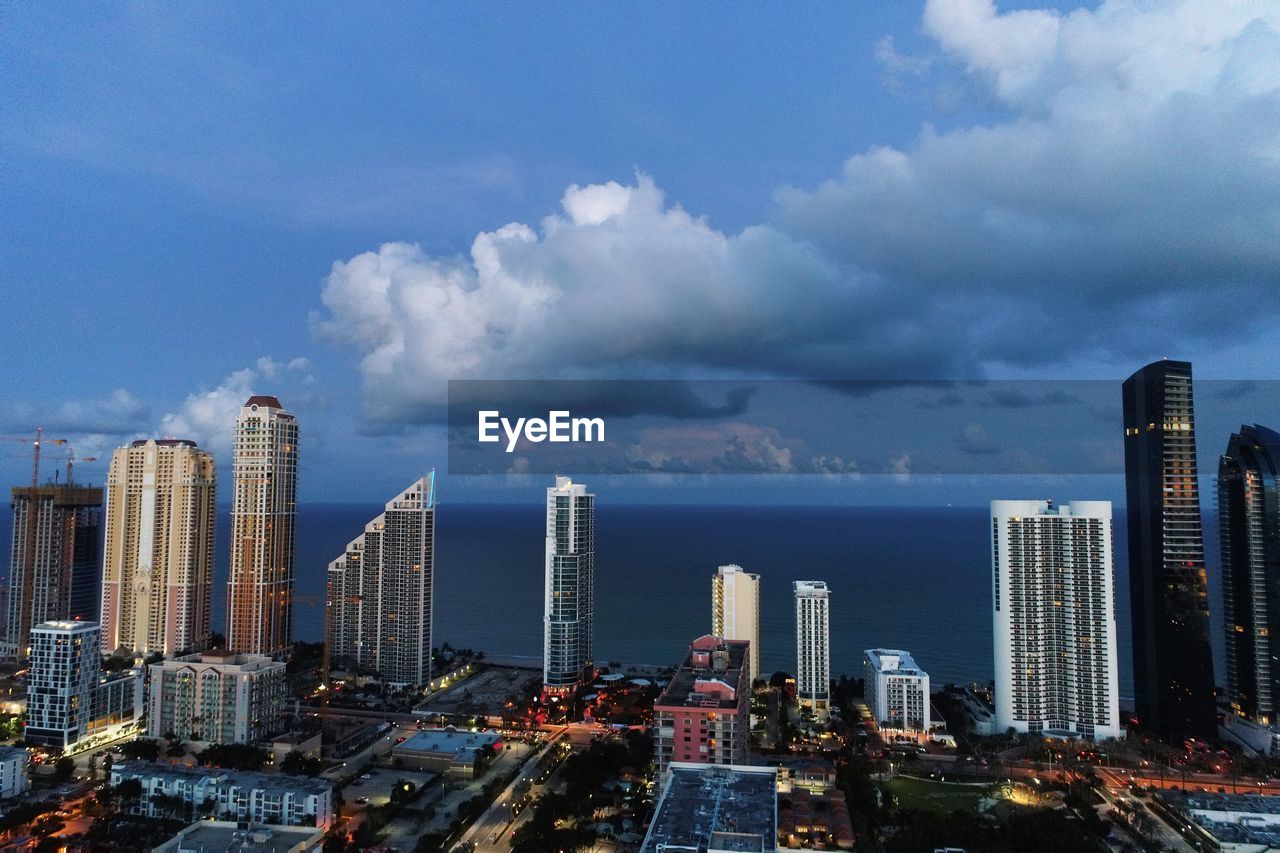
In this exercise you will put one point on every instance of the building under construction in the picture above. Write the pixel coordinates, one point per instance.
(55, 558)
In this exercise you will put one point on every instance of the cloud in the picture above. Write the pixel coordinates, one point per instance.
(974, 439)
(208, 416)
(723, 448)
(1125, 178)
(118, 413)
(1132, 178)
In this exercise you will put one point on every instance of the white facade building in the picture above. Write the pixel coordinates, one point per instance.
(813, 647)
(15, 763)
(1054, 619)
(232, 795)
(570, 586)
(896, 689)
(735, 610)
(380, 590)
(217, 697)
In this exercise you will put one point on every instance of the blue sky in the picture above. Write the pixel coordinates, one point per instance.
(310, 201)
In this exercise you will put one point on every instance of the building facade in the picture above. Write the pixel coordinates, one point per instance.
(64, 666)
(1249, 519)
(15, 767)
(896, 689)
(1168, 587)
(157, 567)
(263, 521)
(813, 647)
(54, 559)
(231, 795)
(71, 703)
(380, 591)
(735, 610)
(704, 714)
(570, 586)
(1054, 619)
(217, 697)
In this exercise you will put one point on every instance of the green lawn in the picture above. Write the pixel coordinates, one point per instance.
(936, 796)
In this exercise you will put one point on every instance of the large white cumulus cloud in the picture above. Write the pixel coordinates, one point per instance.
(1130, 180)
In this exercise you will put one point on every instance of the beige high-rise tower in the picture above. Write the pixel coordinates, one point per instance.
(157, 565)
(735, 610)
(263, 513)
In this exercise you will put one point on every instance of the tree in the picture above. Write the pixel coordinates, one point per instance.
(129, 792)
(237, 756)
(297, 764)
(402, 792)
(141, 749)
(63, 768)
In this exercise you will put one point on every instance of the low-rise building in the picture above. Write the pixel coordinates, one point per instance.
(703, 715)
(231, 795)
(15, 764)
(897, 689)
(221, 836)
(217, 697)
(1238, 823)
(448, 750)
(715, 808)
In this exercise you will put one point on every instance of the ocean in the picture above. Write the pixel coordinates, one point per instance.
(911, 578)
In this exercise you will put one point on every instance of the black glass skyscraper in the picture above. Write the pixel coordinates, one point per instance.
(1249, 515)
(1168, 589)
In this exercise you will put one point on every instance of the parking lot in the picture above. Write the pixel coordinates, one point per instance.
(373, 787)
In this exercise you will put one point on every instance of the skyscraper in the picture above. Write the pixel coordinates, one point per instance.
(1249, 519)
(263, 512)
(896, 690)
(1168, 589)
(570, 586)
(735, 610)
(380, 590)
(54, 558)
(813, 652)
(157, 567)
(1054, 618)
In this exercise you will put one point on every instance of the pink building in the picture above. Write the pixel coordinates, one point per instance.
(704, 714)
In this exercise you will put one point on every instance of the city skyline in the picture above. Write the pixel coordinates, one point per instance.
(872, 100)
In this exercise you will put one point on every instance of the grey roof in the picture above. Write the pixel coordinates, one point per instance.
(734, 806)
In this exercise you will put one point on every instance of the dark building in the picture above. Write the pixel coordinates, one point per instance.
(1249, 516)
(1168, 589)
(55, 558)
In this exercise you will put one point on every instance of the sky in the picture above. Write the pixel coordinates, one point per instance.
(351, 206)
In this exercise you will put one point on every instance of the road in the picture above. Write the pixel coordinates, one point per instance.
(490, 831)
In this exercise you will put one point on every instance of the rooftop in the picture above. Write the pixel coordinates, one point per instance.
(715, 807)
(263, 400)
(709, 676)
(217, 836)
(893, 662)
(222, 658)
(449, 741)
(1248, 803)
(164, 442)
(239, 778)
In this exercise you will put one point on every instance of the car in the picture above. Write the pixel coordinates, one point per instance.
(362, 801)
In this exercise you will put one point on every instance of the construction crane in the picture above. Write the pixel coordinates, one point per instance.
(29, 557)
(72, 459)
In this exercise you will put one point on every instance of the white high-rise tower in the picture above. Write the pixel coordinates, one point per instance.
(813, 652)
(380, 590)
(1054, 618)
(570, 586)
(735, 610)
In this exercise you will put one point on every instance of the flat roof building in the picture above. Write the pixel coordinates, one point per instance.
(897, 689)
(217, 697)
(447, 750)
(703, 715)
(223, 836)
(715, 808)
